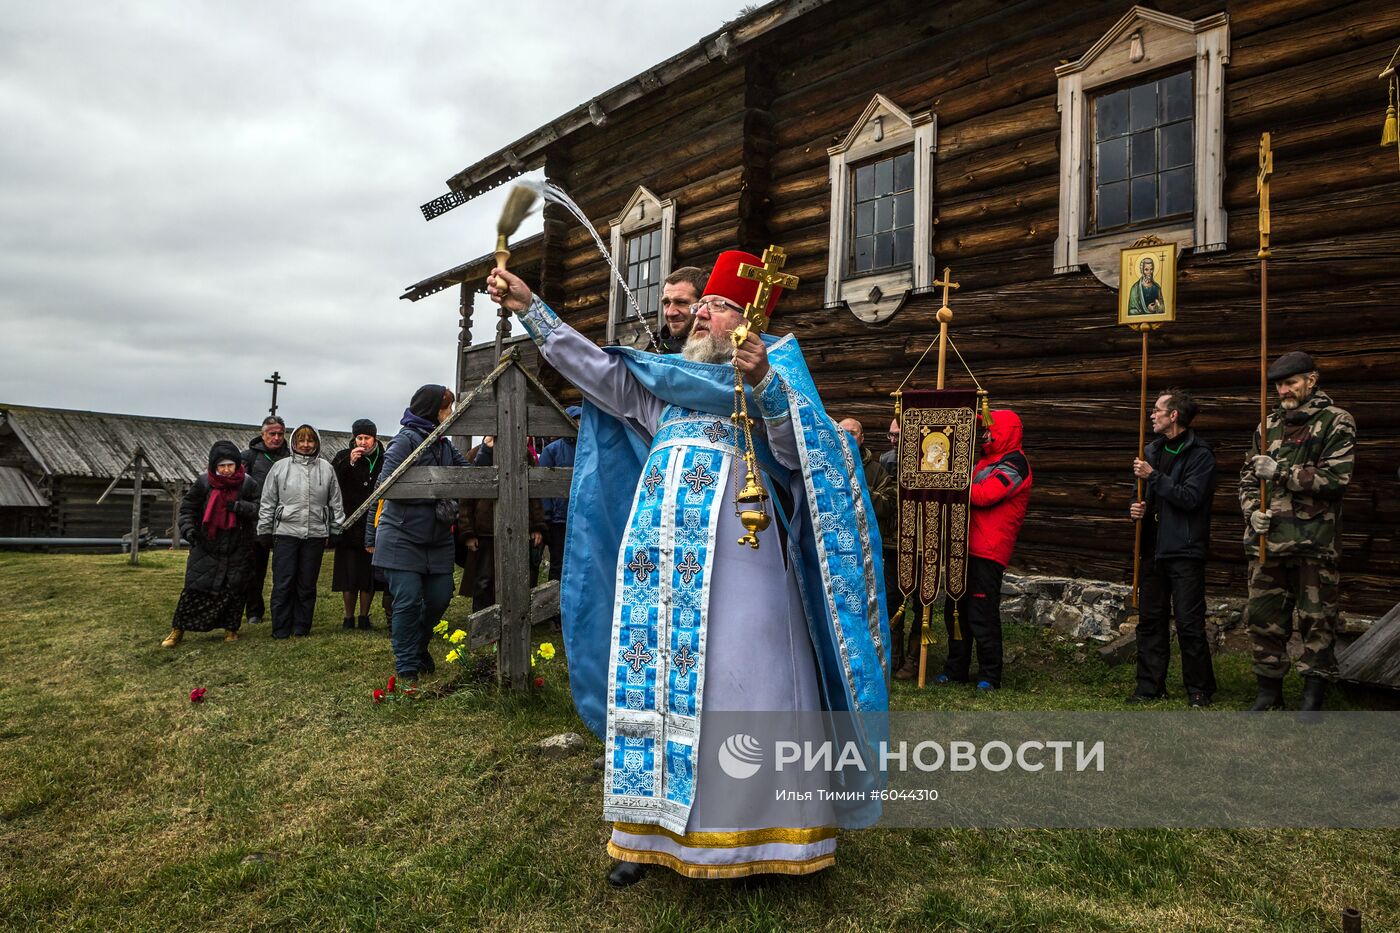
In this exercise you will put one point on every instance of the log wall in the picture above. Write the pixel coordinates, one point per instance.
(742, 148)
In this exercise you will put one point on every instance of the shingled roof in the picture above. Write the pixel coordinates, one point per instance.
(100, 444)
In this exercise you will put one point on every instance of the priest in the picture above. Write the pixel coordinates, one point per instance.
(668, 619)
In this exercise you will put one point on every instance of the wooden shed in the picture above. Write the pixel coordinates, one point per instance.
(1021, 145)
(65, 459)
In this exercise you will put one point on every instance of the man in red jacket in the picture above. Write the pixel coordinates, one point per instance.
(1001, 488)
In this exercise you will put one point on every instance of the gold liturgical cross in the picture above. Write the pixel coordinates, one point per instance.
(767, 276)
(946, 283)
(1261, 186)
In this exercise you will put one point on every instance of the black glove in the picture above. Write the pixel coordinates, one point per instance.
(265, 541)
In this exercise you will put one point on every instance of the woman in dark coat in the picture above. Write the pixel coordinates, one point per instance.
(413, 542)
(357, 469)
(217, 518)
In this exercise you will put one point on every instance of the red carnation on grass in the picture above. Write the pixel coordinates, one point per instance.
(539, 681)
(197, 695)
(378, 696)
(389, 687)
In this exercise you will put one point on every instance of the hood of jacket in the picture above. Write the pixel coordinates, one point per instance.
(1004, 434)
(304, 458)
(224, 450)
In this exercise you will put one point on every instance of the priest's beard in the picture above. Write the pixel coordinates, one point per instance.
(708, 348)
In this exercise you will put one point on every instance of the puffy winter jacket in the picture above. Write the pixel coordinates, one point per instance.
(557, 453)
(1179, 498)
(1001, 489)
(410, 535)
(301, 498)
(258, 461)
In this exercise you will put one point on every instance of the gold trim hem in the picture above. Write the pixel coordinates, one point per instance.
(732, 840)
(710, 872)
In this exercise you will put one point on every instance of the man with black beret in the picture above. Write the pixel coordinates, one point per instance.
(1305, 464)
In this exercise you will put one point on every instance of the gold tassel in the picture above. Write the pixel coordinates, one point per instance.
(926, 638)
(1388, 134)
(957, 629)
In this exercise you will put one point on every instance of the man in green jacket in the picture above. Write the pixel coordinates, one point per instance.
(1305, 465)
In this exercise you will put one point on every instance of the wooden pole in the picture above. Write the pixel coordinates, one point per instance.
(1351, 920)
(1261, 186)
(140, 466)
(945, 315)
(1142, 452)
(512, 533)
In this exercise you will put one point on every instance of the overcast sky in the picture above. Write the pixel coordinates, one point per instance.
(193, 194)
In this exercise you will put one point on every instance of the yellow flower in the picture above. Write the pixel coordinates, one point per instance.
(532, 660)
(440, 627)
(457, 637)
(547, 650)
(453, 655)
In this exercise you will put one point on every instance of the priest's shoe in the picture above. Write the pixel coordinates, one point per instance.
(624, 874)
(1270, 694)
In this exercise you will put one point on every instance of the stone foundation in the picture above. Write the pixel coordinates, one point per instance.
(1092, 609)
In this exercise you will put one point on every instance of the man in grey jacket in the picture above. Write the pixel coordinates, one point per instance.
(299, 513)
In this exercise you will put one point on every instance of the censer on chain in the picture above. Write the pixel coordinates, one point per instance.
(751, 502)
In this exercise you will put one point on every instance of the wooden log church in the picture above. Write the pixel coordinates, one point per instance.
(1021, 145)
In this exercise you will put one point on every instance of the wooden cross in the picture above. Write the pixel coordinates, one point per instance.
(946, 283)
(275, 381)
(1261, 187)
(767, 276)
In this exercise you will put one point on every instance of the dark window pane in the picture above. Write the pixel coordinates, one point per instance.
(904, 172)
(1144, 159)
(632, 277)
(1177, 191)
(904, 209)
(865, 218)
(655, 270)
(884, 250)
(884, 177)
(1176, 144)
(1143, 106)
(864, 255)
(1174, 98)
(1144, 198)
(1113, 205)
(1111, 115)
(904, 246)
(884, 215)
(865, 182)
(632, 247)
(1113, 160)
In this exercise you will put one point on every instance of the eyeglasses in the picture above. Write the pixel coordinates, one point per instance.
(716, 304)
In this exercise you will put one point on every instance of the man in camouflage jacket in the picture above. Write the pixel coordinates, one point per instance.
(1306, 468)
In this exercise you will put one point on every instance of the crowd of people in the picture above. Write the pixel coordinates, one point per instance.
(279, 503)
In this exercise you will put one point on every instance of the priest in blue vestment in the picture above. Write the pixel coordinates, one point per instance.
(667, 617)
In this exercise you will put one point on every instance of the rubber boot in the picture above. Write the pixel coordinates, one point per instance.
(173, 638)
(1314, 692)
(1270, 694)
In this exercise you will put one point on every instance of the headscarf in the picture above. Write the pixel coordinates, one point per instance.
(223, 490)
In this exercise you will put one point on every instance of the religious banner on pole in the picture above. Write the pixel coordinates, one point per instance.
(937, 448)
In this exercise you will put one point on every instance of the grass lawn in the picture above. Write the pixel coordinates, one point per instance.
(289, 800)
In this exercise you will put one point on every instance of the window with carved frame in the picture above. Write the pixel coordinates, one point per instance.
(642, 269)
(642, 241)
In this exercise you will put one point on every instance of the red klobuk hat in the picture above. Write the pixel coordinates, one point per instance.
(726, 281)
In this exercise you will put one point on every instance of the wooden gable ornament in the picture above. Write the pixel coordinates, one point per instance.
(883, 130)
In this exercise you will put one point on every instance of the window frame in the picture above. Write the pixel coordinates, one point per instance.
(1143, 43)
(883, 130)
(643, 211)
(851, 233)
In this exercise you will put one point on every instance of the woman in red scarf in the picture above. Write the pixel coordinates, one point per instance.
(218, 518)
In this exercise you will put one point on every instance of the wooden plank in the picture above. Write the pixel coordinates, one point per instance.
(139, 473)
(1374, 658)
(512, 534)
(454, 482)
(484, 625)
